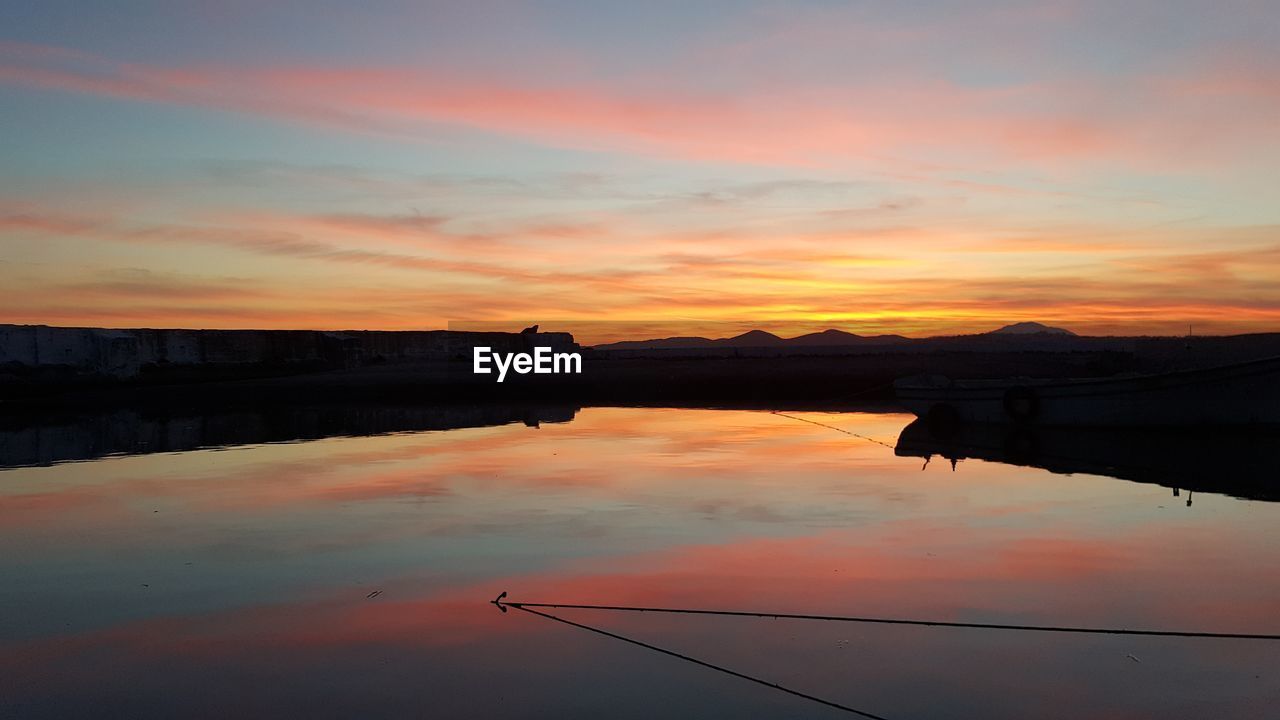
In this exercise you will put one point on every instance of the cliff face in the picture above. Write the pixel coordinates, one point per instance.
(127, 353)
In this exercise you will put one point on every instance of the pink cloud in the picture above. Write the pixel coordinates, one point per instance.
(1130, 120)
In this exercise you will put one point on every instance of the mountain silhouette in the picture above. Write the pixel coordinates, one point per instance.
(1029, 328)
(1034, 333)
(829, 338)
(752, 338)
(758, 339)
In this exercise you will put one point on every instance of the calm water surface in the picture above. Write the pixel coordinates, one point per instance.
(350, 577)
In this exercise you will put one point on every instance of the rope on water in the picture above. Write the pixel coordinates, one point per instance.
(695, 661)
(833, 427)
(898, 621)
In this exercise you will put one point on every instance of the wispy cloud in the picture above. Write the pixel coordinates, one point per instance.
(868, 167)
(1200, 114)
(406, 278)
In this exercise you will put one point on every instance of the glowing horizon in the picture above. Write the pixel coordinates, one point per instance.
(869, 168)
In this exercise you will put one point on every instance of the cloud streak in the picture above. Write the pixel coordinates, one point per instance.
(887, 171)
(407, 277)
(1200, 114)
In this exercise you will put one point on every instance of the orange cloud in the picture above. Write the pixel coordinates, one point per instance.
(420, 271)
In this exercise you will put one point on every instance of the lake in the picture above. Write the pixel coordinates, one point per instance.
(351, 576)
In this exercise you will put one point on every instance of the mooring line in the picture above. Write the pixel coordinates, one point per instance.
(899, 621)
(833, 427)
(695, 661)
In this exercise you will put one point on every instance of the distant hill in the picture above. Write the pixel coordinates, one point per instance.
(683, 341)
(834, 337)
(758, 339)
(1030, 328)
(1033, 334)
(752, 338)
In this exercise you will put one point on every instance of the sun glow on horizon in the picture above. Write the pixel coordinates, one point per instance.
(862, 168)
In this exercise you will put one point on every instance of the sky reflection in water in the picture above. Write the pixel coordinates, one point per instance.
(238, 581)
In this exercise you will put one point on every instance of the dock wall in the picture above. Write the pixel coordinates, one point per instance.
(128, 353)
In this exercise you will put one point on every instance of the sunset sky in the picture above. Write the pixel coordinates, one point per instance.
(909, 167)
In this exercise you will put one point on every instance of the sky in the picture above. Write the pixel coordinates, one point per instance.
(919, 168)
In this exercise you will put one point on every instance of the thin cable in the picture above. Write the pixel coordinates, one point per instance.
(833, 427)
(896, 621)
(696, 661)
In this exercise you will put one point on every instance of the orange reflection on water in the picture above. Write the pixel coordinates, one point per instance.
(307, 570)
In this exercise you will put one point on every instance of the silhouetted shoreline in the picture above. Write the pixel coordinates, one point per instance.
(198, 367)
(66, 435)
(1240, 462)
(797, 381)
